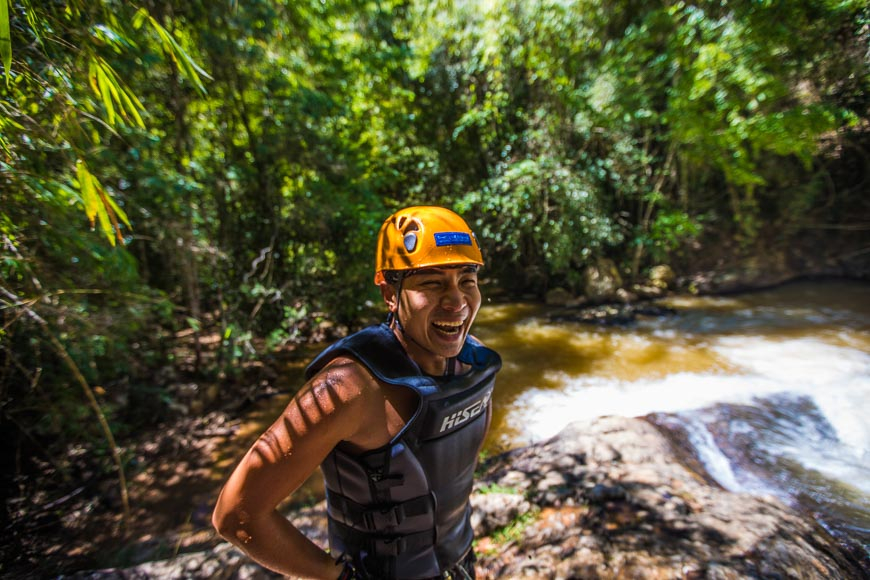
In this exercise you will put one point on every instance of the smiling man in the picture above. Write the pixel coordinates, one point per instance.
(395, 415)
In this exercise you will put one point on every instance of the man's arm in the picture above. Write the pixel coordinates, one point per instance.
(331, 407)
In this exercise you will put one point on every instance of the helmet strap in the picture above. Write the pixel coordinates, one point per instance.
(394, 316)
(450, 369)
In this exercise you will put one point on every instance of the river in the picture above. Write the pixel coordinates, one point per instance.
(772, 387)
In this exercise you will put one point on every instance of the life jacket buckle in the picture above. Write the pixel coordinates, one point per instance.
(381, 519)
(393, 547)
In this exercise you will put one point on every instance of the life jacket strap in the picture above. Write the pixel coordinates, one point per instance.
(386, 546)
(377, 518)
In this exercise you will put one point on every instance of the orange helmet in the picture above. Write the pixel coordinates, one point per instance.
(424, 236)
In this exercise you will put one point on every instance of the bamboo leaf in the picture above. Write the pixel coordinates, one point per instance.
(114, 87)
(186, 65)
(32, 19)
(105, 93)
(5, 39)
(106, 85)
(113, 226)
(86, 186)
(105, 224)
(127, 101)
(51, 189)
(140, 17)
(118, 211)
(92, 76)
(99, 206)
(102, 215)
(133, 106)
(5, 122)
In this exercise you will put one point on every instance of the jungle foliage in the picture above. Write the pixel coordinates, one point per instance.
(223, 166)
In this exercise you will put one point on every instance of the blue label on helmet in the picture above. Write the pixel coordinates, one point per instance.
(452, 239)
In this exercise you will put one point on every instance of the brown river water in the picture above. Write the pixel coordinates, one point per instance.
(773, 386)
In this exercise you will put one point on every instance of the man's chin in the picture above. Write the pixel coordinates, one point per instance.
(457, 348)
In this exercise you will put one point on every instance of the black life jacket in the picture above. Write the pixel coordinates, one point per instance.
(402, 511)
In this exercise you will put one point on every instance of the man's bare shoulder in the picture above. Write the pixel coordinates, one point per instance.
(346, 378)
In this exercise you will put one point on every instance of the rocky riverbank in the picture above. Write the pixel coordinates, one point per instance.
(610, 498)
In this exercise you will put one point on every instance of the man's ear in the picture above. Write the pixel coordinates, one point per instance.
(388, 292)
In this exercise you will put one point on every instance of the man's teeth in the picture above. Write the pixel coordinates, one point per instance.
(448, 326)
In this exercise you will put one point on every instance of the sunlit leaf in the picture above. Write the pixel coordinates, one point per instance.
(111, 36)
(140, 17)
(118, 211)
(106, 93)
(86, 187)
(109, 221)
(186, 65)
(99, 207)
(106, 85)
(102, 215)
(133, 105)
(33, 19)
(5, 40)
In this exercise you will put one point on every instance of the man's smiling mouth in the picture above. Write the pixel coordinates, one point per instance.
(449, 327)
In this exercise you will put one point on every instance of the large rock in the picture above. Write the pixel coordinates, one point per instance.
(561, 297)
(753, 272)
(662, 276)
(607, 498)
(610, 499)
(601, 281)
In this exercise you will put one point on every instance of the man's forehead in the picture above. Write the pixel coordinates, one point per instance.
(464, 268)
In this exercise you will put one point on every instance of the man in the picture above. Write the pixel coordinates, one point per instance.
(395, 415)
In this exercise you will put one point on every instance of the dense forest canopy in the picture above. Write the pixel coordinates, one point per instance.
(223, 166)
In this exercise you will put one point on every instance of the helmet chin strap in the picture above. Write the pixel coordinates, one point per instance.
(393, 317)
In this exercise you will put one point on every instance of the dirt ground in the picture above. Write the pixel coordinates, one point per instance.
(60, 521)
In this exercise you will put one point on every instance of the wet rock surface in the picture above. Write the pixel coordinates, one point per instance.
(611, 314)
(622, 505)
(608, 498)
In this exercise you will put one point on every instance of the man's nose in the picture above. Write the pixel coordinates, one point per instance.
(453, 299)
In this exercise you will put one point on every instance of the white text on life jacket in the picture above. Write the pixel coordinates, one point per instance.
(460, 417)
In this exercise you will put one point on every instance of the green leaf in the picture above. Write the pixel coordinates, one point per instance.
(106, 85)
(32, 19)
(118, 211)
(103, 216)
(86, 187)
(5, 40)
(106, 93)
(133, 105)
(140, 17)
(186, 65)
(95, 208)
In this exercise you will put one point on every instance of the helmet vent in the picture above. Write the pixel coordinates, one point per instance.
(406, 224)
(409, 226)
